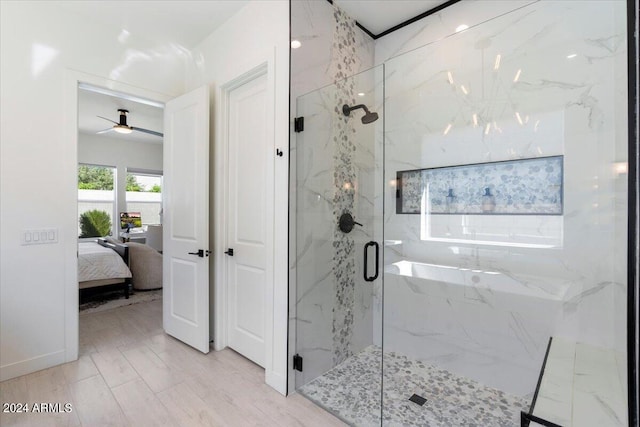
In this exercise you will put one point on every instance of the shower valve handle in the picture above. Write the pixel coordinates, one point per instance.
(346, 222)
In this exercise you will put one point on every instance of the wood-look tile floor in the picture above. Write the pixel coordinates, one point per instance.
(130, 373)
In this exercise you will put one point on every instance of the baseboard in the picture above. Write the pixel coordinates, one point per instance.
(28, 366)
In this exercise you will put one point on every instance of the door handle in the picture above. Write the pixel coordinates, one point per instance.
(201, 253)
(229, 252)
(366, 252)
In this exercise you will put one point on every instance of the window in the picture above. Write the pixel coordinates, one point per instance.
(144, 195)
(96, 200)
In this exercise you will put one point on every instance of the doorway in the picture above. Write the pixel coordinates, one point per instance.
(120, 163)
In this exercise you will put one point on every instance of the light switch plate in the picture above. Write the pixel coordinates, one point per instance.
(40, 236)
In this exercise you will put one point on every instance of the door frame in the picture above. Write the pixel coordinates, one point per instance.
(73, 79)
(263, 66)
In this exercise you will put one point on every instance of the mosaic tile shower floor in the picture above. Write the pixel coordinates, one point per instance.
(352, 391)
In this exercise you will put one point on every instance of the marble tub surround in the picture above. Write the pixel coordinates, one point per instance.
(351, 391)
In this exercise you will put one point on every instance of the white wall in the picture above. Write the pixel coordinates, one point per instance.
(257, 34)
(121, 154)
(43, 49)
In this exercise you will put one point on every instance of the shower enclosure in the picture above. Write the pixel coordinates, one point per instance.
(460, 217)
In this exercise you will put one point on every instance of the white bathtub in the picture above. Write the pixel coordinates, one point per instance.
(486, 325)
(493, 281)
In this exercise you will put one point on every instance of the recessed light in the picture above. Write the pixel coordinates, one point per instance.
(573, 55)
(461, 28)
(361, 94)
(295, 44)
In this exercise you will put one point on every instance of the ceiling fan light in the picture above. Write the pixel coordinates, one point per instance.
(122, 129)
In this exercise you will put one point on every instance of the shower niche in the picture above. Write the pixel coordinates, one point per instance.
(511, 187)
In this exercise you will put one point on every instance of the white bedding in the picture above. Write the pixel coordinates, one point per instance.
(96, 262)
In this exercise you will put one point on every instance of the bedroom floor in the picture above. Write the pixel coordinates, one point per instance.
(130, 373)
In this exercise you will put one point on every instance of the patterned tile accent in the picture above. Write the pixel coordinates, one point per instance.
(516, 187)
(344, 270)
(352, 391)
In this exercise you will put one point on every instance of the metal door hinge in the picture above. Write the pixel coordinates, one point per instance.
(279, 152)
(297, 362)
(298, 124)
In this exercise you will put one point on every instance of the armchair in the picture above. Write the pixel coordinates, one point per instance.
(145, 264)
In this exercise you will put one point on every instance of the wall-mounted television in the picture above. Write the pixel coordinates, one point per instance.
(129, 220)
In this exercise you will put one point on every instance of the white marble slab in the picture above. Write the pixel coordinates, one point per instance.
(581, 387)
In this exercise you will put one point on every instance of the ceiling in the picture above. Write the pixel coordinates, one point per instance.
(188, 22)
(91, 105)
(380, 15)
(184, 22)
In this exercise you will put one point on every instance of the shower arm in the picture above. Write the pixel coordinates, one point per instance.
(346, 110)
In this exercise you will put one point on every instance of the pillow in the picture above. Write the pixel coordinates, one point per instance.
(110, 239)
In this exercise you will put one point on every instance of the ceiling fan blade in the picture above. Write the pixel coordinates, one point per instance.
(152, 132)
(105, 131)
(108, 119)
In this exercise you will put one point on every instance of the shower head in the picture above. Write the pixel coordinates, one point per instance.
(369, 117)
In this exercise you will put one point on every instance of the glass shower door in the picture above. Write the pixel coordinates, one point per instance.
(338, 247)
(505, 172)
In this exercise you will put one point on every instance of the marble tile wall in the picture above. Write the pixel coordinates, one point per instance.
(498, 335)
(519, 280)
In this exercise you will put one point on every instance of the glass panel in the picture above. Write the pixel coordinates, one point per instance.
(485, 263)
(144, 195)
(96, 200)
(338, 316)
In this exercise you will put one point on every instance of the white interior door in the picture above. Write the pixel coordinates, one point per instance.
(250, 213)
(185, 264)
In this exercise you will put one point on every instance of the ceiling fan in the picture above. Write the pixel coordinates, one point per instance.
(123, 127)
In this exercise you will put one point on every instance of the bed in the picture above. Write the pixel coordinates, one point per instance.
(103, 263)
